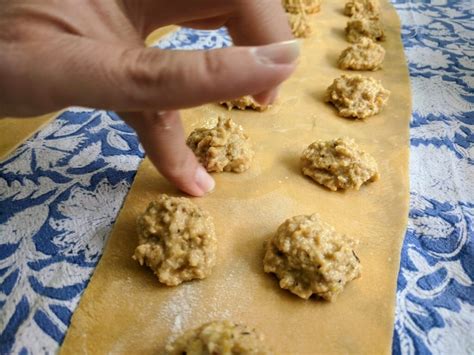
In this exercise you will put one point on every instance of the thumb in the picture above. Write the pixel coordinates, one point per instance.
(139, 79)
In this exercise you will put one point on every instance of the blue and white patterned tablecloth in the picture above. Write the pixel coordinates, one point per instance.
(61, 191)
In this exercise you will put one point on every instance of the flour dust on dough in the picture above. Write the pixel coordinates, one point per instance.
(357, 96)
(309, 257)
(224, 147)
(176, 239)
(219, 337)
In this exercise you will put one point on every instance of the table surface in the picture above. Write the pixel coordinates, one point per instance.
(61, 191)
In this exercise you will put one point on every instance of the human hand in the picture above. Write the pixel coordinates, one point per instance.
(90, 53)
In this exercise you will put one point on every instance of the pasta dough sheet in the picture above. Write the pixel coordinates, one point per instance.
(125, 309)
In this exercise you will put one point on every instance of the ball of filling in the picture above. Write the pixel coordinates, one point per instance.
(300, 6)
(356, 96)
(219, 338)
(363, 55)
(224, 147)
(364, 27)
(176, 239)
(300, 25)
(309, 257)
(362, 8)
(244, 103)
(338, 164)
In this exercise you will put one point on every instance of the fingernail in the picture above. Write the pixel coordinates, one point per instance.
(204, 180)
(277, 53)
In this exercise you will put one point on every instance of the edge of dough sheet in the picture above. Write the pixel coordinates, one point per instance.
(124, 308)
(15, 131)
(158, 34)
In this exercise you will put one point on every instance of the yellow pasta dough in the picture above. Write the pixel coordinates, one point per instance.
(247, 208)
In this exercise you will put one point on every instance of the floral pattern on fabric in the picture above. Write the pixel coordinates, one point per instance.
(61, 191)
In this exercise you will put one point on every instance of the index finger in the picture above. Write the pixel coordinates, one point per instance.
(260, 22)
(162, 137)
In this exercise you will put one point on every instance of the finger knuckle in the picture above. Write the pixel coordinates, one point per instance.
(213, 67)
(143, 75)
(212, 62)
